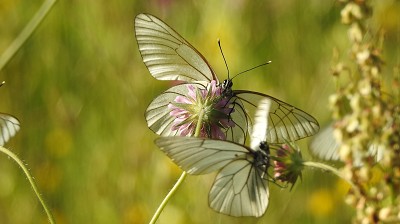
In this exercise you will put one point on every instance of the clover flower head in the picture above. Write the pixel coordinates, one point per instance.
(288, 164)
(215, 107)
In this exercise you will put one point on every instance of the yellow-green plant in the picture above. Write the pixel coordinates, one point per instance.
(5, 57)
(367, 117)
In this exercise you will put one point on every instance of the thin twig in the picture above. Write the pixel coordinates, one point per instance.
(31, 181)
(179, 181)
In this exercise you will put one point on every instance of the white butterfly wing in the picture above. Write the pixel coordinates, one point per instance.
(325, 146)
(239, 132)
(167, 55)
(259, 130)
(160, 121)
(9, 126)
(239, 190)
(157, 113)
(200, 156)
(285, 122)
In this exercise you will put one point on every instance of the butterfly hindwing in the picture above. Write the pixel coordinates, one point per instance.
(160, 121)
(239, 190)
(324, 146)
(286, 123)
(157, 113)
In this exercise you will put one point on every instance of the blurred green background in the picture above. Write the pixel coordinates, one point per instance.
(80, 90)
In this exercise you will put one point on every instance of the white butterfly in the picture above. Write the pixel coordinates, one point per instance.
(168, 56)
(9, 126)
(241, 186)
(324, 146)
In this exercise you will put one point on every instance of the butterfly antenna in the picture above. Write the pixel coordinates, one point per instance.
(266, 63)
(2, 83)
(223, 56)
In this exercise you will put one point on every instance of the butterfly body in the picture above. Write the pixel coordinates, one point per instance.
(262, 157)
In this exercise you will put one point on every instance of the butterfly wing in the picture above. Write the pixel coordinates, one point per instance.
(167, 55)
(285, 122)
(157, 113)
(9, 126)
(239, 132)
(160, 121)
(239, 190)
(259, 129)
(324, 146)
(200, 156)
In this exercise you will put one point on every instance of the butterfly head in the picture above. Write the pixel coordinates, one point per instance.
(264, 146)
(227, 87)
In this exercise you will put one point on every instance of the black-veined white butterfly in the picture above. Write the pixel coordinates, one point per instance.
(241, 185)
(324, 146)
(9, 126)
(168, 56)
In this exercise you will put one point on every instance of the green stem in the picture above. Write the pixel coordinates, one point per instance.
(26, 32)
(30, 179)
(179, 181)
(199, 123)
(328, 168)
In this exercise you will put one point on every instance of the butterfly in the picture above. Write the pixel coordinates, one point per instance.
(325, 146)
(9, 126)
(241, 185)
(168, 56)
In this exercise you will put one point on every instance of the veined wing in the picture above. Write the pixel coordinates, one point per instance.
(167, 55)
(158, 115)
(285, 122)
(239, 190)
(160, 121)
(259, 129)
(200, 156)
(325, 146)
(9, 126)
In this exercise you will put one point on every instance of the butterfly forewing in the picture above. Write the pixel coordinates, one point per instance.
(200, 156)
(167, 55)
(285, 122)
(9, 126)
